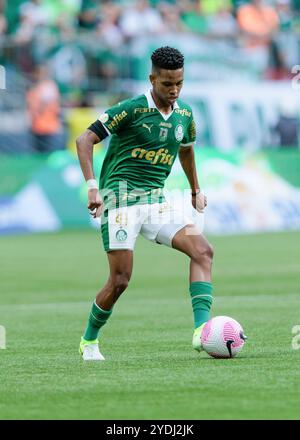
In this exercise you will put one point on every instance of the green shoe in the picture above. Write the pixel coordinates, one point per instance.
(89, 350)
(196, 342)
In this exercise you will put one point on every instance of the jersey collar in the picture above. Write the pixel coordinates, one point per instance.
(151, 104)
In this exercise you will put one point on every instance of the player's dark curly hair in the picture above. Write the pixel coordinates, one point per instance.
(167, 58)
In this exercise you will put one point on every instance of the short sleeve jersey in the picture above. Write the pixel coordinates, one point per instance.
(143, 146)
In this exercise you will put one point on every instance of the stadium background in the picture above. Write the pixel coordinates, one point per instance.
(76, 58)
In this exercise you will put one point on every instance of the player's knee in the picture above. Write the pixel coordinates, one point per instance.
(120, 283)
(203, 254)
(210, 251)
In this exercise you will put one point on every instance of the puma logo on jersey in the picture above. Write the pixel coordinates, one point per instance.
(148, 127)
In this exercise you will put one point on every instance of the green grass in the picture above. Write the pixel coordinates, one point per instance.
(47, 284)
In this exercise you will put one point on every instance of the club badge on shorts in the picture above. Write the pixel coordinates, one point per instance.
(121, 235)
(179, 133)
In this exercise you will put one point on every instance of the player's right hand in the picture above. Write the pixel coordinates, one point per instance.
(95, 203)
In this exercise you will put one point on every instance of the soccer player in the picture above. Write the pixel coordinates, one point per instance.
(146, 132)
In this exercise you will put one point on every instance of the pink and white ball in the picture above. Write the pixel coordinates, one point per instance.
(222, 337)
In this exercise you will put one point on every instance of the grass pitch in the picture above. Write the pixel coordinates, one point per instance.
(47, 284)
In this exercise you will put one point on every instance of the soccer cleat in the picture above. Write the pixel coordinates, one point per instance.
(196, 342)
(89, 350)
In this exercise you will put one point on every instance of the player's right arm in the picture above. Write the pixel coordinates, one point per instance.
(112, 121)
(85, 146)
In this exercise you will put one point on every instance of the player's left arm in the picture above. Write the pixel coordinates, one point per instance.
(187, 160)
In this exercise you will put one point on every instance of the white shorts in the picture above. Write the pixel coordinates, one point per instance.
(158, 222)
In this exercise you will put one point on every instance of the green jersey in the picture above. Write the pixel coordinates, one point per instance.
(142, 149)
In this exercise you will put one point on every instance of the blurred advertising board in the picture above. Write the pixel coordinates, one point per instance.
(238, 114)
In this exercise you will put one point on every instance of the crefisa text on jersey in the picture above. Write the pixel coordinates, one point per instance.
(170, 430)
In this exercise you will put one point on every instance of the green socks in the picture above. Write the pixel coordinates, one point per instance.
(201, 294)
(97, 319)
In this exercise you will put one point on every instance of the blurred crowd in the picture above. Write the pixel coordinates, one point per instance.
(92, 38)
(89, 45)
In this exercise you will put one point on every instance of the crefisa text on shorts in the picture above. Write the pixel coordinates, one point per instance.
(164, 429)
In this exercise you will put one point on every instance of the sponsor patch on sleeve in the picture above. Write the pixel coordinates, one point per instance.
(104, 118)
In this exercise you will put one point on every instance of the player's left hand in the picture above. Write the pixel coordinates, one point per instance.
(199, 202)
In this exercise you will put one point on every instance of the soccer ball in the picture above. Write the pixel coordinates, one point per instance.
(222, 337)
